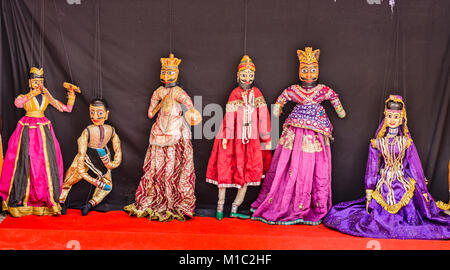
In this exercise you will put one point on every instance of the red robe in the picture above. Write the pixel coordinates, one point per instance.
(244, 161)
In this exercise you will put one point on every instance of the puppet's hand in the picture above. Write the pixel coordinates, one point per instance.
(71, 88)
(368, 198)
(341, 114)
(276, 109)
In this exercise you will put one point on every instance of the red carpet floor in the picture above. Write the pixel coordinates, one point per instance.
(117, 231)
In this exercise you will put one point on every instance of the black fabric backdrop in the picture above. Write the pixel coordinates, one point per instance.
(367, 53)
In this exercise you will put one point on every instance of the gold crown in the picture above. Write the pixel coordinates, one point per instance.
(170, 62)
(246, 63)
(35, 70)
(308, 56)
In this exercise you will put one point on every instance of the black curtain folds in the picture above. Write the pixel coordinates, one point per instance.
(367, 53)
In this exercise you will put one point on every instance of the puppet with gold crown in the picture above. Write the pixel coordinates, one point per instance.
(32, 172)
(297, 186)
(397, 203)
(242, 149)
(167, 188)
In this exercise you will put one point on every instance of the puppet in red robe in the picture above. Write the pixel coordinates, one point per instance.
(241, 153)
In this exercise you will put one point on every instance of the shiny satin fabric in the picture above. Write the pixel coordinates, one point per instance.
(416, 216)
(32, 170)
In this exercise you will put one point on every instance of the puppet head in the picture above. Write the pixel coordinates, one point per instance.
(36, 78)
(393, 114)
(246, 73)
(169, 70)
(394, 117)
(98, 111)
(309, 65)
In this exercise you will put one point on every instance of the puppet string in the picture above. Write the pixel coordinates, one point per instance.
(61, 33)
(245, 26)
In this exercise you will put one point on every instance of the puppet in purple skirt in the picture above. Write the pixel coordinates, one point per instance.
(397, 203)
(297, 186)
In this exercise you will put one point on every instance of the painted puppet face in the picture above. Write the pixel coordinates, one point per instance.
(98, 115)
(393, 118)
(308, 72)
(246, 76)
(36, 83)
(169, 75)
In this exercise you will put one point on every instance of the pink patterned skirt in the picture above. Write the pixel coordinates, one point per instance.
(167, 188)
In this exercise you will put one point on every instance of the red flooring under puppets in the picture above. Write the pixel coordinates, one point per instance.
(116, 230)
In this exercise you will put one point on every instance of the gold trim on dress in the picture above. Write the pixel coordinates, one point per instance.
(36, 114)
(442, 205)
(15, 166)
(27, 192)
(153, 215)
(47, 166)
(38, 124)
(311, 144)
(311, 128)
(21, 211)
(393, 209)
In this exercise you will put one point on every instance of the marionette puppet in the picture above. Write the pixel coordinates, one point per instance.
(32, 173)
(94, 156)
(241, 153)
(297, 186)
(166, 190)
(397, 203)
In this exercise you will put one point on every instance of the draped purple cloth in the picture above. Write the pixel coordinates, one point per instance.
(419, 218)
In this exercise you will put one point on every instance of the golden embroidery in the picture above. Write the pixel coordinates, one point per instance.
(36, 114)
(393, 169)
(27, 193)
(395, 207)
(326, 141)
(287, 138)
(442, 205)
(308, 99)
(259, 102)
(31, 210)
(311, 144)
(374, 143)
(234, 105)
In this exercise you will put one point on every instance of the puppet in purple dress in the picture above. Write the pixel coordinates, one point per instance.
(397, 203)
(297, 186)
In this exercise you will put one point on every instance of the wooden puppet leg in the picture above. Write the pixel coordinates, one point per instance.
(237, 202)
(220, 203)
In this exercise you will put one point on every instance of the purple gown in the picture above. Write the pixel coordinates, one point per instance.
(401, 206)
(297, 186)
